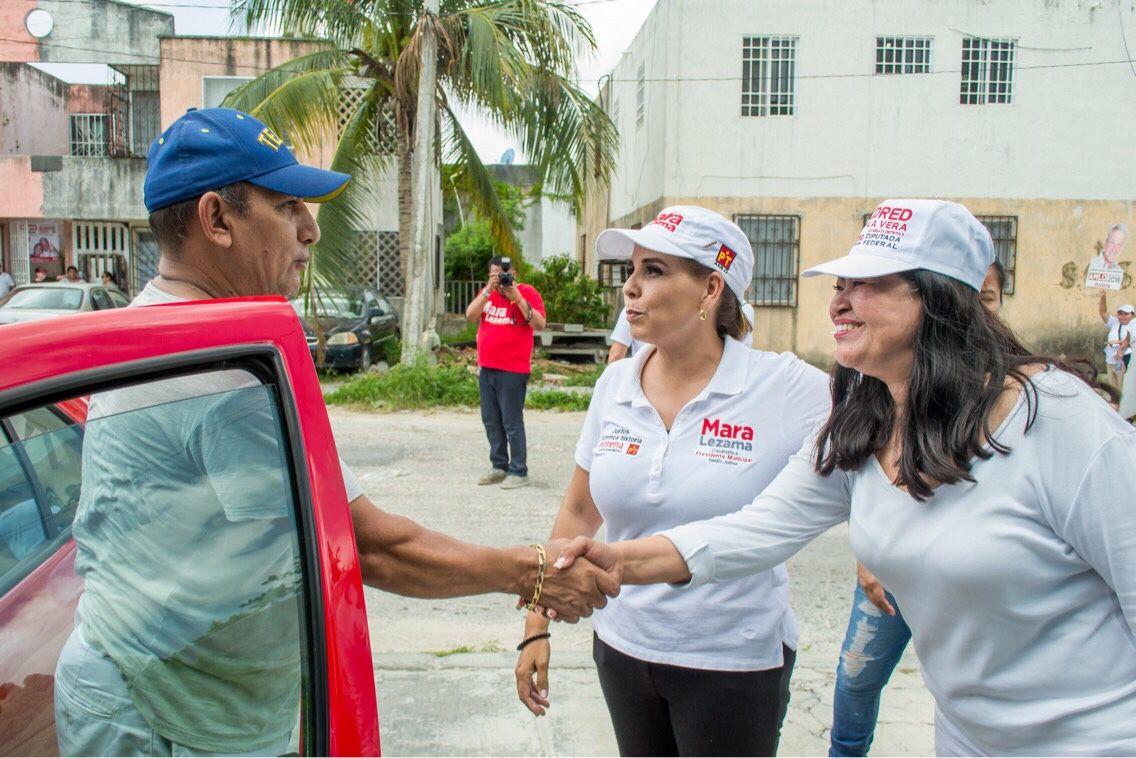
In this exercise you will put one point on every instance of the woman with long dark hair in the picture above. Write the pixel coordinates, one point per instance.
(990, 490)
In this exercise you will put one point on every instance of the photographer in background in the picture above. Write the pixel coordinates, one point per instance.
(508, 312)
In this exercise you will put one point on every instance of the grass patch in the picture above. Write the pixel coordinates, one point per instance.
(426, 385)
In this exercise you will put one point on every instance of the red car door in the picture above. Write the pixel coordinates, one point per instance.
(196, 517)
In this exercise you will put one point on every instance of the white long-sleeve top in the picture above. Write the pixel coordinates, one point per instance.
(1019, 588)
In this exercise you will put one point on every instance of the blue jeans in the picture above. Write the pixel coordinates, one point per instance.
(872, 648)
(503, 413)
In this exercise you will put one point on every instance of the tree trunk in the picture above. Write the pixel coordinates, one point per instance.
(405, 217)
(414, 338)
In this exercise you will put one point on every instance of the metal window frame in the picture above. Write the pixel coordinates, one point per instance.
(1005, 246)
(769, 75)
(612, 274)
(987, 72)
(777, 260)
(904, 55)
(86, 145)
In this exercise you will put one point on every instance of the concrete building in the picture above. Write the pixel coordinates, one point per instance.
(796, 117)
(72, 157)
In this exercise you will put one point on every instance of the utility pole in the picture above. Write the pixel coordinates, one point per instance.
(422, 211)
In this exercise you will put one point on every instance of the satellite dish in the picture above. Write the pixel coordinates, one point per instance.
(508, 156)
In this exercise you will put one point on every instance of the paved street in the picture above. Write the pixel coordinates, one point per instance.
(425, 465)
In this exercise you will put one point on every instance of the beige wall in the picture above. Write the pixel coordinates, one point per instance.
(1050, 307)
(185, 60)
(16, 45)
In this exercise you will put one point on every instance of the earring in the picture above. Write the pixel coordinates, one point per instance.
(701, 314)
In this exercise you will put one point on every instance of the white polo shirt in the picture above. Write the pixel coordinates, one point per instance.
(724, 447)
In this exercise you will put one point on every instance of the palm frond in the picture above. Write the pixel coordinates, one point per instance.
(334, 20)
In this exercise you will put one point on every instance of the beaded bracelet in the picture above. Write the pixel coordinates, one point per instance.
(534, 638)
(540, 563)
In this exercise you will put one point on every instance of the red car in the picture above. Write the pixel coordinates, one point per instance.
(138, 353)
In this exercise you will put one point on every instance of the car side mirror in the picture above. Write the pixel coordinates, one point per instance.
(376, 317)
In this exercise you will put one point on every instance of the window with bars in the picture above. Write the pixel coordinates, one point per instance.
(776, 242)
(903, 55)
(769, 76)
(1004, 231)
(987, 71)
(641, 96)
(613, 273)
(89, 134)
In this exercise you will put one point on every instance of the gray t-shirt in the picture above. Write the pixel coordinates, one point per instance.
(187, 544)
(1019, 588)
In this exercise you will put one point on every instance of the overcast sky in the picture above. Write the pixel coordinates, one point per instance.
(614, 23)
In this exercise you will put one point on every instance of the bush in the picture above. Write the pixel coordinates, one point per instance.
(570, 295)
(426, 385)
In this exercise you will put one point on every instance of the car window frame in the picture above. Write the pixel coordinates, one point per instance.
(273, 341)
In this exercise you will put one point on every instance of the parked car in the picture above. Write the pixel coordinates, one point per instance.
(39, 300)
(44, 425)
(356, 324)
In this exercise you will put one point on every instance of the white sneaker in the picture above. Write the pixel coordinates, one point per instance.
(515, 482)
(495, 475)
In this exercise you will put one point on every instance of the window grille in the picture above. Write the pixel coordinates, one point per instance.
(987, 71)
(613, 273)
(903, 55)
(1004, 231)
(769, 76)
(641, 96)
(776, 242)
(89, 134)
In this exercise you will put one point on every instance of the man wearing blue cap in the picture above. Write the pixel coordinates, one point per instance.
(187, 636)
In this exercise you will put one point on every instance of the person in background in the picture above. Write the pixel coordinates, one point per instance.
(108, 279)
(6, 282)
(72, 275)
(507, 313)
(692, 426)
(988, 487)
(1118, 342)
(623, 344)
(40, 275)
(877, 634)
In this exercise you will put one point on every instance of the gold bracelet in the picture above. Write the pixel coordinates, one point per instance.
(540, 562)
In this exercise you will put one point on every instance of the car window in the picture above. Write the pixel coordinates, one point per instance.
(100, 300)
(185, 537)
(47, 298)
(118, 299)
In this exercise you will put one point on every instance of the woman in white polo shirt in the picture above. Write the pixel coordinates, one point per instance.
(693, 426)
(988, 489)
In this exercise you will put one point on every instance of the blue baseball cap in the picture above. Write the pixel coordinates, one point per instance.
(213, 147)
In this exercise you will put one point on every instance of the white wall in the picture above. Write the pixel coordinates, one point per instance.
(855, 134)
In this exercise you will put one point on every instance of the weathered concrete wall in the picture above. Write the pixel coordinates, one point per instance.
(87, 98)
(33, 112)
(16, 45)
(103, 31)
(21, 190)
(96, 188)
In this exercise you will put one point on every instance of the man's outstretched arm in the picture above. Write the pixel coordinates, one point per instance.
(401, 556)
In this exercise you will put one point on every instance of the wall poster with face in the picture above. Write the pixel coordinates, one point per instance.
(43, 246)
(1105, 271)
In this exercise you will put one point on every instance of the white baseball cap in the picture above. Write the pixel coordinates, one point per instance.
(1126, 309)
(905, 235)
(687, 231)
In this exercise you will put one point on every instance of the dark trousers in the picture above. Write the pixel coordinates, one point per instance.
(658, 709)
(503, 413)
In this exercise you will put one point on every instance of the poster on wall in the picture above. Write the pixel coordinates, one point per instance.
(43, 247)
(1104, 271)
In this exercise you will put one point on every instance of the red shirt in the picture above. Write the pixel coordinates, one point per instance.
(504, 340)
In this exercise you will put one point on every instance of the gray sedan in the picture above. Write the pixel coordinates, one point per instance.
(30, 302)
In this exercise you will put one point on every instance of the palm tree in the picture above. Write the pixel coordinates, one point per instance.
(512, 60)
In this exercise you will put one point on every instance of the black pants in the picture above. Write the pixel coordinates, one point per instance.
(503, 413)
(658, 709)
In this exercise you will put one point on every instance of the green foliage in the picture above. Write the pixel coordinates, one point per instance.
(426, 385)
(469, 248)
(586, 378)
(570, 295)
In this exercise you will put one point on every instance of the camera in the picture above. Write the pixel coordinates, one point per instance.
(506, 277)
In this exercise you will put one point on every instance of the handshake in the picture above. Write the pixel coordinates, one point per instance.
(579, 576)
